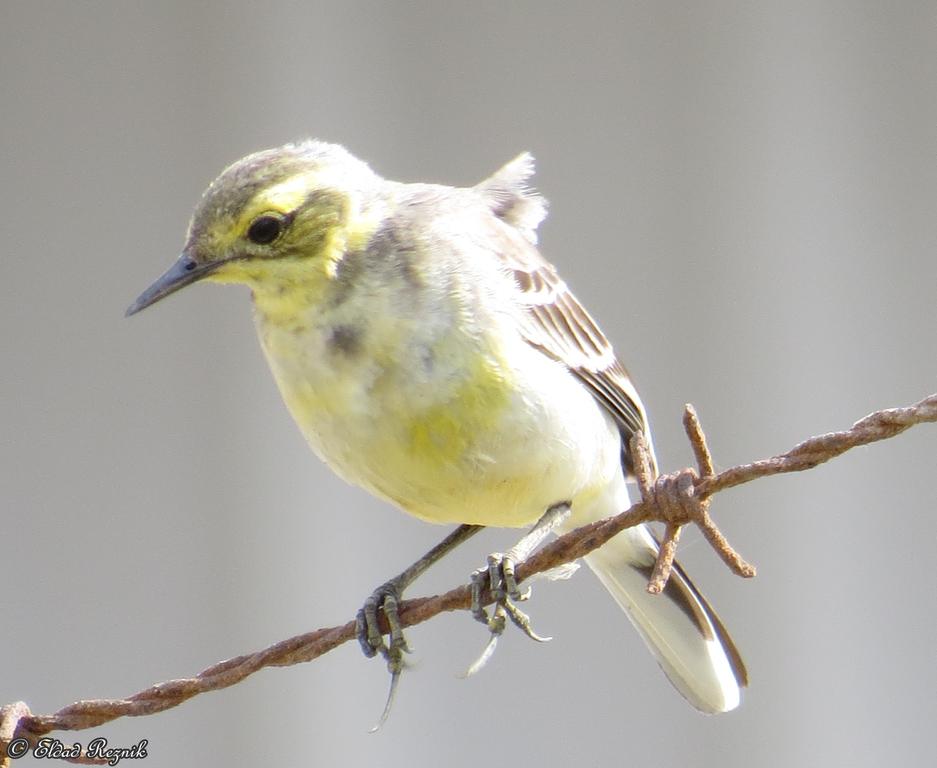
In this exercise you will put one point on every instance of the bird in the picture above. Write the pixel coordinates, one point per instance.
(431, 355)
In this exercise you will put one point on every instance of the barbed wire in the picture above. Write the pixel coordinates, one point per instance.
(676, 500)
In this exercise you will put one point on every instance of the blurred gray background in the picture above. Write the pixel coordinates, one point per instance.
(742, 193)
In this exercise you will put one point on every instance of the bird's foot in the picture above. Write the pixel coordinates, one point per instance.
(498, 577)
(385, 598)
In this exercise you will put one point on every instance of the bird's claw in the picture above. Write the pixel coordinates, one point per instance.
(498, 577)
(385, 598)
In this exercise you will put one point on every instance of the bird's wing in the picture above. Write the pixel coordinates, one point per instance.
(554, 321)
(560, 327)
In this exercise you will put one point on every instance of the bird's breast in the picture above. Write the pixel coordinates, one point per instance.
(451, 427)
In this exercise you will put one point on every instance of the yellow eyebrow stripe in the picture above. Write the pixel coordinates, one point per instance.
(287, 195)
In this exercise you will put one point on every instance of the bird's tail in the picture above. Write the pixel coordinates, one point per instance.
(679, 626)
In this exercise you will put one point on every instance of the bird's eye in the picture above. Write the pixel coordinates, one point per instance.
(265, 229)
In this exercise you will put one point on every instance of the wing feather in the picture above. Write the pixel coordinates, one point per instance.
(561, 327)
(554, 321)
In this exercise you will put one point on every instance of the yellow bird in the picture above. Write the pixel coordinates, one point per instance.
(432, 356)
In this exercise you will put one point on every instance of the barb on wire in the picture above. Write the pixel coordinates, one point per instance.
(676, 500)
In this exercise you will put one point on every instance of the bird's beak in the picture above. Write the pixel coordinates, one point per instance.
(183, 272)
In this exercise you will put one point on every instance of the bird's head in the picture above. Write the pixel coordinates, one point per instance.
(273, 217)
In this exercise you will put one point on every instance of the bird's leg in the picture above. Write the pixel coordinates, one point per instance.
(386, 598)
(498, 575)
